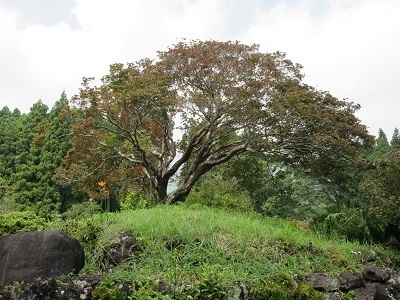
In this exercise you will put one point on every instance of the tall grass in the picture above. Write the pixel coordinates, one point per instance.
(242, 244)
(210, 250)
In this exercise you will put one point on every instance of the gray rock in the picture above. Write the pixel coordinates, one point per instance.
(238, 292)
(123, 247)
(376, 291)
(30, 255)
(332, 296)
(376, 274)
(350, 281)
(52, 289)
(324, 282)
(367, 292)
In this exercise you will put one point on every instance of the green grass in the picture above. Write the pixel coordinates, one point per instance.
(207, 250)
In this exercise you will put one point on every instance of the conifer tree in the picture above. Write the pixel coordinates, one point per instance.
(382, 149)
(43, 141)
(395, 141)
(25, 176)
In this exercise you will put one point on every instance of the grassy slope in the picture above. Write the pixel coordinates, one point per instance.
(188, 244)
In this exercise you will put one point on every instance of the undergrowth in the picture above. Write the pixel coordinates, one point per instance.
(208, 253)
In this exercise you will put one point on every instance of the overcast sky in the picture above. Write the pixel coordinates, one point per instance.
(348, 47)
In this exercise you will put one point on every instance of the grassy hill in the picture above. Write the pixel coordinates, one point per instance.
(187, 252)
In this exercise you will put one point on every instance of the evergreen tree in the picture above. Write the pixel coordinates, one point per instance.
(25, 176)
(43, 142)
(10, 122)
(52, 138)
(382, 148)
(395, 142)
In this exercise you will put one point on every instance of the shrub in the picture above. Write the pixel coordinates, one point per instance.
(86, 231)
(347, 223)
(26, 221)
(133, 200)
(80, 211)
(220, 193)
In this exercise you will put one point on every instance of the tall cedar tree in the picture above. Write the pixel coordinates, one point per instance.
(227, 98)
(31, 148)
(9, 124)
(395, 141)
(382, 148)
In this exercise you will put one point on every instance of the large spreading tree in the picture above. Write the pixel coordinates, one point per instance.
(220, 99)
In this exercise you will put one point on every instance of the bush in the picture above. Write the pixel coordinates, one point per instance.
(220, 193)
(7, 205)
(346, 223)
(133, 200)
(26, 221)
(80, 211)
(86, 231)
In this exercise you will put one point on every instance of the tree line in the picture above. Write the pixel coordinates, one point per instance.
(230, 125)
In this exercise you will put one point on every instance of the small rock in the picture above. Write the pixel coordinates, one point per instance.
(351, 281)
(394, 280)
(332, 296)
(366, 292)
(324, 282)
(370, 255)
(376, 274)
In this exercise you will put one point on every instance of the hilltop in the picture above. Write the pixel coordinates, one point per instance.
(196, 252)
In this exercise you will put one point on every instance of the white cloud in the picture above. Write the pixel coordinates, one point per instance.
(348, 47)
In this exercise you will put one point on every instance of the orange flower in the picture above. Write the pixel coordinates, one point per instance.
(102, 183)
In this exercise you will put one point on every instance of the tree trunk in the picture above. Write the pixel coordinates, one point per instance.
(179, 195)
(162, 190)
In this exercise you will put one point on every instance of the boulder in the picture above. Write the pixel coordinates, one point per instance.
(376, 274)
(30, 255)
(348, 282)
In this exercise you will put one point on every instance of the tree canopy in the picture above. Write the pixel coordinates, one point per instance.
(198, 105)
(32, 146)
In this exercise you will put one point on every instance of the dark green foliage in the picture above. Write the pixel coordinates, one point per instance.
(86, 231)
(249, 182)
(395, 141)
(250, 172)
(382, 148)
(345, 223)
(292, 194)
(214, 191)
(31, 148)
(10, 124)
(79, 211)
(15, 222)
(383, 191)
